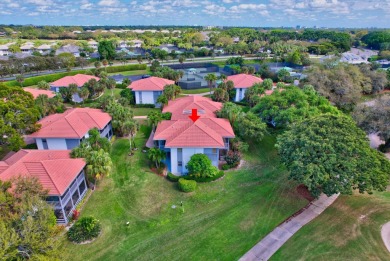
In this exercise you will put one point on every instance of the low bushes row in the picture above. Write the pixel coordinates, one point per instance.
(55, 76)
(144, 106)
(174, 178)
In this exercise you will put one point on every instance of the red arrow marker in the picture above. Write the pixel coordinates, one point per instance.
(194, 117)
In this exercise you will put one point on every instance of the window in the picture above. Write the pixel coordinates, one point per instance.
(68, 207)
(179, 163)
(44, 144)
(59, 214)
(82, 187)
(75, 197)
(140, 97)
(214, 151)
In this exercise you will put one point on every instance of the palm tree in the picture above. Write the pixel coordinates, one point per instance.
(156, 155)
(99, 164)
(41, 102)
(20, 79)
(43, 85)
(126, 81)
(222, 77)
(111, 84)
(83, 93)
(130, 128)
(210, 78)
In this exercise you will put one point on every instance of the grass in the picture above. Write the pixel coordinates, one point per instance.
(219, 221)
(347, 230)
(143, 111)
(4, 149)
(96, 103)
(196, 91)
(128, 73)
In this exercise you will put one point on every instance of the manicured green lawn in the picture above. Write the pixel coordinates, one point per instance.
(347, 230)
(143, 111)
(196, 91)
(128, 73)
(221, 220)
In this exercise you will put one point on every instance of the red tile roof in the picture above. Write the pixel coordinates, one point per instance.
(181, 108)
(79, 79)
(73, 123)
(244, 80)
(55, 169)
(150, 84)
(36, 92)
(204, 133)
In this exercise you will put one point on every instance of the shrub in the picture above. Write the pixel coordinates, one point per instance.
(187, 185)
(218, 175)
(233, 158)
(86, 228)
(172, 177)
(200, 166)
(225, 166)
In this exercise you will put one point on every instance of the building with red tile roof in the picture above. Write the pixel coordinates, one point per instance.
(147, 90)
(62, 176)
(242, 82)
(78, 79)
(36, 92)
(181, 108)
(64, 131)
(181, 138)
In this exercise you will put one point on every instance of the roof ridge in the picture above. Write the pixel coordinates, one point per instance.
(48, 174)
(66, 118)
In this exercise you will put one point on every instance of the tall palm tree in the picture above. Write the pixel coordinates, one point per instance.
(130, 129)
(111, 84)
(210, 78)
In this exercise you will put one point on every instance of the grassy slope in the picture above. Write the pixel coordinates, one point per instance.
(348, 230)
(143, 111)
(221, 220)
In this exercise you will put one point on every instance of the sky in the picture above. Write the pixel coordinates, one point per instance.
(267, 13)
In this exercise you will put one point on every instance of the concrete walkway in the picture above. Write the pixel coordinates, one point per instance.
(199, 94)
(385, 233)
(140, 117)
(273, 241)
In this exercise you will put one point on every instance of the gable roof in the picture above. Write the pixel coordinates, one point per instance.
(73, 123)
(54, 169)
(182, 108)
(244, 80)
(204, 133)
(36, 92)
(79, 79)
(150, 84)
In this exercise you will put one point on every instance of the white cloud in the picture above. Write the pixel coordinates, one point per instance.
(112, 3)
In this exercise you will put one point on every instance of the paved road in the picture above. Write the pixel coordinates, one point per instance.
(273, 241)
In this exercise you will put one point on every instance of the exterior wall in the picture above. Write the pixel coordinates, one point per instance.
(57, 144)
(240, 94)
(186, 156)
(148, 97)
(107, 132)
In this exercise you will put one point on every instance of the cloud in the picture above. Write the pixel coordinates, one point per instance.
(109, 3)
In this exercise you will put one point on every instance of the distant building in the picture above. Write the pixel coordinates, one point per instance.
(148, 90)
(93, 44)
(69, 48)
(65, 131)
(241, 83)
(36, 92)
(44, 49)
(78, 79)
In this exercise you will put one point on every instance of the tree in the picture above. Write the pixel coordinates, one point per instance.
(181, 59)
(126, 81)
(291, 105)
(156, 155)
(97, 64)
(120, 114)
(19, 116)
(106, 49)
(252, 95)
(267, 84)
(27, 222)
(43, 85)
(375, 118)
(155, 64)
(251, 127)
(330, 154)
(154, 117)
(162, 99)
(105, 62)
(130, 128)
(210, 78)
(220, 95)
(200, 166)
(231, 112)
(283, 75)
(139, 59)
(111, 84)
(128, 95)
(99, 164)
(83, 93)
(20, 79)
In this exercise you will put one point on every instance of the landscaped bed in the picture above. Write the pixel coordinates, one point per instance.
(219, 220)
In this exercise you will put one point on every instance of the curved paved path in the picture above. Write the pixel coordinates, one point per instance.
(273, 241)
(385, 233)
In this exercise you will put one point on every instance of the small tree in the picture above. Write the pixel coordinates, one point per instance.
(98, 64)
(20, 79)
(156, 155)
(130, 128)
(105, 62)
(43, 85)
(154, 117)
(200, 166)
(139, 59)
(126, 81)
(111, 84)
(162, 99)
(83, 93)
(210, 78)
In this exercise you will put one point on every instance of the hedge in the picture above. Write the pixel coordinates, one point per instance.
(55, 76)
(187, 185)
(208, 179)
(172, 177)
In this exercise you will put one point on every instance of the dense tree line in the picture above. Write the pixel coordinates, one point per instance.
(378, 40)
